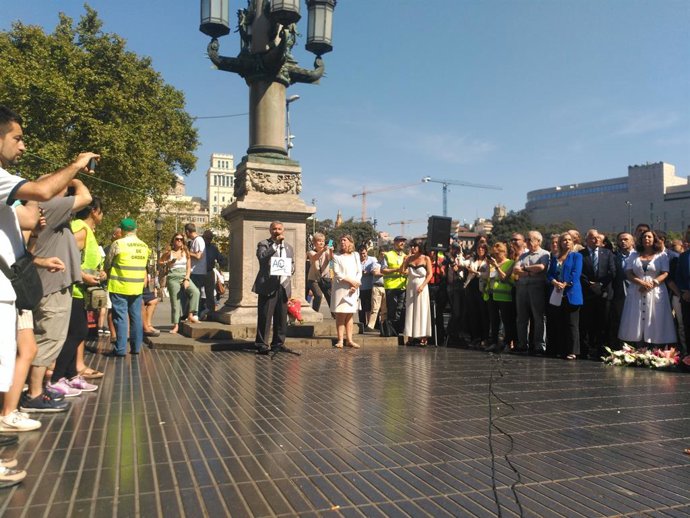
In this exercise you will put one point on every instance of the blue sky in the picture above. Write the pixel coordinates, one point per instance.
(523, 94)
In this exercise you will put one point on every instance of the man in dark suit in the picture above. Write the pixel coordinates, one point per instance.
(683, 284)
(598, 272)
(625, 244)
(273, 290)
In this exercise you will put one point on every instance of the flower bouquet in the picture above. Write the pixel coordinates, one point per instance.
(294, 307)
(655, 358)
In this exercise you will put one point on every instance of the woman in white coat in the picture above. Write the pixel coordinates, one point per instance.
(347, 272)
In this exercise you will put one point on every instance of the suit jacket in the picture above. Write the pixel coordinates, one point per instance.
(604, 275)
(683, 272)
(570, 273)
(620, 280)
(265, 283)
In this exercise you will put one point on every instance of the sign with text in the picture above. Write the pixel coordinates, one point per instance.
(281, 266)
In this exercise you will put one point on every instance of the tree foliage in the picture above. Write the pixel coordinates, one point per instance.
(362, 232)
(79, 89)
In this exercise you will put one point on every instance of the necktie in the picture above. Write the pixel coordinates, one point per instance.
(595, 261)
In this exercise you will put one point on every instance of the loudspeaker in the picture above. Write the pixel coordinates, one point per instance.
(438, 233)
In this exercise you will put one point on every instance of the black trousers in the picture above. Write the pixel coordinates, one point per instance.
(395, 302)
(272, 309)
(66, 362)
(594, 325)
(685, 308)
(456, 295)
(563, 329)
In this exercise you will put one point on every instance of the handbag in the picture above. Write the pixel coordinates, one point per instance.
(26, 283)
(95, 297)
(220, 287)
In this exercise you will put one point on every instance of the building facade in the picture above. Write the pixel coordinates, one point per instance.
(220, 183)
(651, 193)
(177, 204)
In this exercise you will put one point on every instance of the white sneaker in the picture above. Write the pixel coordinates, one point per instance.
(17, 421)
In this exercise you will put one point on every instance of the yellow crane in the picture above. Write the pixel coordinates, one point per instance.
(364, 193)
(404, 222)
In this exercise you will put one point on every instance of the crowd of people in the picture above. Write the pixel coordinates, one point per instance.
(47, 232)
(569, 298)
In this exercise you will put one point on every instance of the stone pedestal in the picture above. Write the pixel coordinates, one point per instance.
(267, 189)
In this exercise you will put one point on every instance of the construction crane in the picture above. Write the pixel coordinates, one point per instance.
(403, 223)
(446, 183)
(364, 193)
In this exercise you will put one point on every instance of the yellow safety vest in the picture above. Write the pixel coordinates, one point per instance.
(128, 270)
(91, 255)
(394, 281)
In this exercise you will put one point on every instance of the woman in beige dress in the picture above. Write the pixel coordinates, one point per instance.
(347, 275)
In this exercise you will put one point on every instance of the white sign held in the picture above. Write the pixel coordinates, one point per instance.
(281, 266)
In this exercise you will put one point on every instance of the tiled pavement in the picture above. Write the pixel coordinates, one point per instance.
(385, 431)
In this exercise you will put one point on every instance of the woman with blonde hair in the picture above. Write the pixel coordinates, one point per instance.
(499, 294)
(178, 263)
(347, 276)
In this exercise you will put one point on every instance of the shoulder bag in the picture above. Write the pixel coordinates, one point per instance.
(25, 281)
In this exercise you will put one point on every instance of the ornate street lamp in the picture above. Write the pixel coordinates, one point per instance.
(320, 26)
(268, 32)
(285, 11)
(214, 18)
(267, 180)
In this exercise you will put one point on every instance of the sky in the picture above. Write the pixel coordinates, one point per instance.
(519, 94)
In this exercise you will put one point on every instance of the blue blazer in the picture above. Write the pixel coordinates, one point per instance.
(570, 273)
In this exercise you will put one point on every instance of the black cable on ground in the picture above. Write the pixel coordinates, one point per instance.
(496, 362)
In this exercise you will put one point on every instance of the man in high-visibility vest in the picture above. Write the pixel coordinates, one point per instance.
(126, 266)
(395, 284)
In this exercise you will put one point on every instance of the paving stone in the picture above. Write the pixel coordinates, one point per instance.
(383, 431)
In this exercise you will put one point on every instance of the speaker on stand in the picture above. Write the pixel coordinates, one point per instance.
(438, 240)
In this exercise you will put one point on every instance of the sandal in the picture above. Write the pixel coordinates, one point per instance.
(422, 342)
(338, 345)
(571, 357)
(90, 374)
(353, 345)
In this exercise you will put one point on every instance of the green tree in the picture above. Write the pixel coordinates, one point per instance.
(513, 222)
(80, 89)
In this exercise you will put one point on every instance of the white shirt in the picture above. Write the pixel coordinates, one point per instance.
(11, 241)
(199, 265)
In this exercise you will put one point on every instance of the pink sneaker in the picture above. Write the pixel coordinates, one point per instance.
(63, 387)
(79, 383)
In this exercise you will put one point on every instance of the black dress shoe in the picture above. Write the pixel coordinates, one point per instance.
(7, 440)
(263, 349)
(278, 348)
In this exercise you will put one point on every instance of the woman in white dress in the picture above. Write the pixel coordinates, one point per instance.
(646, 314)
(347, 276)
(418, 269)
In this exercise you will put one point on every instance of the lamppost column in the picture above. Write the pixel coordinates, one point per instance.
(266, 117)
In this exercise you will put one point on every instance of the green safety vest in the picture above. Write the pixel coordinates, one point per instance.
(91, 255)
(394, 281)
(128, 270)
(501, 291)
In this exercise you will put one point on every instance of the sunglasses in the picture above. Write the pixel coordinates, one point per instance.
(179, 239)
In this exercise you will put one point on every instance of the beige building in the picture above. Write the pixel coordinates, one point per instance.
(220, 183)
(184, 208)
(650, 193)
